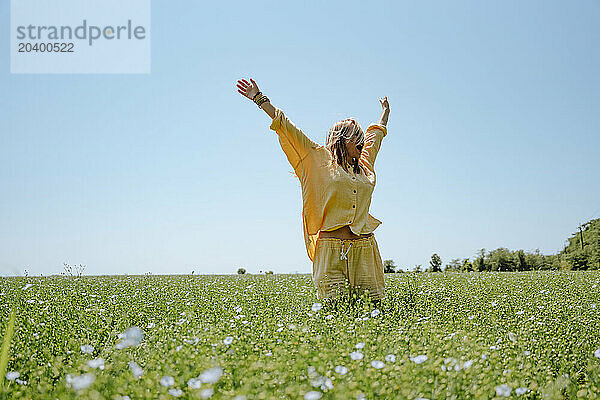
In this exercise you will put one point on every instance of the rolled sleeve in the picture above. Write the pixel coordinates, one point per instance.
(375, 133)
(294, 143)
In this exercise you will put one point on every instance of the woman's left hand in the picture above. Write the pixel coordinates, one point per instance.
(384, 103)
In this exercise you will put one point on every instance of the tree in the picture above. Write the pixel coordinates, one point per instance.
(241, 271)
(583, 250)
(435, 263)
(521, 261)
(389, 267)
(501, 259)
(455, 265)
(479, 264)
(418, 268)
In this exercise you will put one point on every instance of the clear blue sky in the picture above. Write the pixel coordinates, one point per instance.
(493, 137)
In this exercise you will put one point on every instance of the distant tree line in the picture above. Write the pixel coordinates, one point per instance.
(581, 253)
(503, 259)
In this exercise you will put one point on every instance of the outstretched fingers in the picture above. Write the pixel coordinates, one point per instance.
(384, 102)
(243, 86)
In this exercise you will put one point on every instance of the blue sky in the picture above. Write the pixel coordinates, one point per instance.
(492, 137)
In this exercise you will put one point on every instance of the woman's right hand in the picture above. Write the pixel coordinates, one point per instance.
(248, 89)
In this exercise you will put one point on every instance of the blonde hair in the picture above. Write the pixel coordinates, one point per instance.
(341, 133)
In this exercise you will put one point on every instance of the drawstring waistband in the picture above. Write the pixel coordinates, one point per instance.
(344, 256)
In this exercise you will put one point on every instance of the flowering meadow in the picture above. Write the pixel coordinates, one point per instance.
(533, 335)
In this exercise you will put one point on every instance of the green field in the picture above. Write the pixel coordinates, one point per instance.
(533, 335)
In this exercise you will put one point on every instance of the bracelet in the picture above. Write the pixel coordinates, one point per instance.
(263, 101)
(256, 95)
(257, 98)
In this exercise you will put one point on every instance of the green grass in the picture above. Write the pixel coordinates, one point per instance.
(481, 333)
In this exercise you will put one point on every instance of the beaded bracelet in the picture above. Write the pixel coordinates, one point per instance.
(257, 98)
(263, 99)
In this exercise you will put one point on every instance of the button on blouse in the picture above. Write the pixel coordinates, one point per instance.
(331, 197)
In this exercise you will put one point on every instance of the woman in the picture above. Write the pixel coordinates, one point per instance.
(337, 183)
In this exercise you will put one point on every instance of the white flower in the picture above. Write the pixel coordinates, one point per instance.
(167, 381)
(131, 337)
(597, 353)
(471, 316)
(240, 397)
(207, 393)
(419, 359)
(80, 382)
(96, 363)
(136, 370)
(467, 364)
(375, 313)
(318, 381)
(360, 345)
(503, 390)
(361, 396)
(521, 390)
(211, 375)
(228, 340)
(194, 340)
(520, 312)
(175, 392)
(313, 395)
(194, 383)
(322, 382)
(150, 325)
(512, 336)
(87, 349)
(316, 307)
(377, 364)
(27, 286)
(340, 369)
(390, 358)
(11, 376)
(356, 355)
(527, 352)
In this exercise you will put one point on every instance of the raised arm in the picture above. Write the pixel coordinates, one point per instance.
(295, 144)
(373, 136)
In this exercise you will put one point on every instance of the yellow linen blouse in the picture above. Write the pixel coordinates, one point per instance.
(331, 197)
